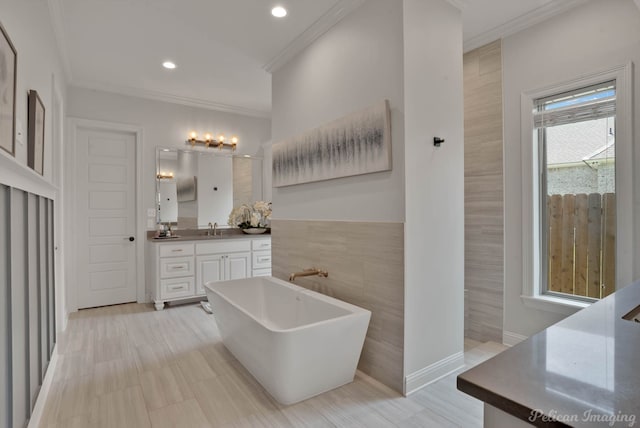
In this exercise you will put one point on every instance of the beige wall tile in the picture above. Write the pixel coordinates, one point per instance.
(365, 262)
(484, 193)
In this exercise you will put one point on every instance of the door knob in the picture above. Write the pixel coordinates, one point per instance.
(131, 239)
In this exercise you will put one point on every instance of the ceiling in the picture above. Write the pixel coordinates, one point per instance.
(224, 49)
(219, 46)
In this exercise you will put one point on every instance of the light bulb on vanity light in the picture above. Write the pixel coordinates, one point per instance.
(209, 140)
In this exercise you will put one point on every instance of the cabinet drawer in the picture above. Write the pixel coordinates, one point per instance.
(176, 250)
(176, 266)
(230, 246)
(177, 287)
(262, 272)
(261, 259)
(261, 244)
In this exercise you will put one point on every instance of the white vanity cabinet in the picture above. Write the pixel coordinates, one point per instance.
(261, 257)
(179, 270)
(220, 261)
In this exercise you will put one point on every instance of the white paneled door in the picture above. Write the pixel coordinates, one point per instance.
(105, 216)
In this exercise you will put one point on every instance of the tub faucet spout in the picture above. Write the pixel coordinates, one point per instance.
(308, 272)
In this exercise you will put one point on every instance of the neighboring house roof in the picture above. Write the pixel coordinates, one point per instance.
(606, 152)
(580, 141)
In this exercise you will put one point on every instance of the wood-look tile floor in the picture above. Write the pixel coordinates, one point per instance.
(130, 366)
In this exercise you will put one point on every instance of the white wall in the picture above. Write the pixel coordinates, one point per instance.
(165, 125)
(434, 230)
(587, 39)
(409, 52)
(28, 26)
(40, 68)
(355, 64)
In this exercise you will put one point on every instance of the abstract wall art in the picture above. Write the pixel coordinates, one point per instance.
(359, 143)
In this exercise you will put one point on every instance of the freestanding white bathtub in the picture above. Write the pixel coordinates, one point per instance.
(297, 343)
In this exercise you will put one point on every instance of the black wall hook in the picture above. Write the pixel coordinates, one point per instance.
(437, 141)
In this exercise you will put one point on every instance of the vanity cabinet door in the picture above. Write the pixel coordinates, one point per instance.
(210, 268)
(238, 266)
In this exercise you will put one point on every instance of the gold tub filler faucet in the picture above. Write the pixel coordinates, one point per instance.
(308, 272)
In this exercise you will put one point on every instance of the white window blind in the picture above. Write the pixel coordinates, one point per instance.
(594, 102)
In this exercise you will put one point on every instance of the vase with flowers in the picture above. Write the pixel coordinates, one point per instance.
(252, 219)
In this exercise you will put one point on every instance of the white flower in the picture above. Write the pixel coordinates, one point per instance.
(236, 217)
(253, 215)
(261, 206)
(255, 219)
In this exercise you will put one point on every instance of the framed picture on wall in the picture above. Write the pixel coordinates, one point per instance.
(8, 72)
(35, 153)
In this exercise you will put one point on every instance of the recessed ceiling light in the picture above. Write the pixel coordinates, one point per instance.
(169, 65)
(279, 12)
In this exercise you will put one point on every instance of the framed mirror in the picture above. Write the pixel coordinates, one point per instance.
(195, 188)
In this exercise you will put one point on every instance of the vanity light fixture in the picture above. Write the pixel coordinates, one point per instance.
(210, 141)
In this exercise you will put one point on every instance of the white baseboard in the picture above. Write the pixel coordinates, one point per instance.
(510, 338)
(38, 410)
(432, 373)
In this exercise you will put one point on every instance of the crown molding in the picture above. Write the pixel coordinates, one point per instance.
(327, 21)
(522, 22)
(57, 24)
(174, 99)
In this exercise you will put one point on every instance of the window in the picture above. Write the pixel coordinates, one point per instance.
(576, 151)
(575, 133)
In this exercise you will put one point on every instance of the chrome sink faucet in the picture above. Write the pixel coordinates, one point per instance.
(212, 229)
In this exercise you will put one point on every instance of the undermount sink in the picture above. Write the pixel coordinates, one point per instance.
(206, 236)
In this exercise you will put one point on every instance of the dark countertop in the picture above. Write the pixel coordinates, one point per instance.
(201, 235)
(583, 368)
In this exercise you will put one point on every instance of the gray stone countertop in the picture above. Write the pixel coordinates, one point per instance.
(201, 235)
(583, 371)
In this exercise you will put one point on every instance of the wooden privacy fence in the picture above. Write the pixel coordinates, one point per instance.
(582, 235)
